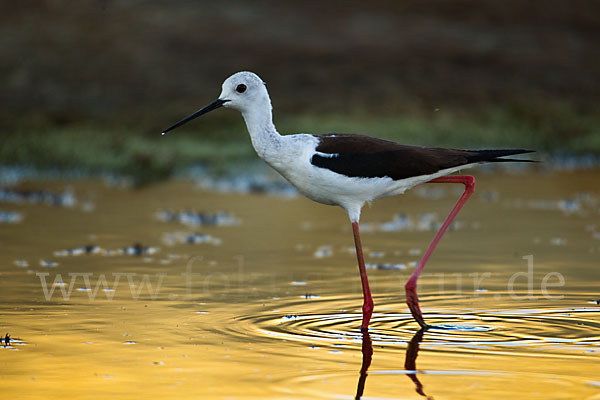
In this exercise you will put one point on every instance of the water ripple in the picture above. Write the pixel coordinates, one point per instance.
(547, 330)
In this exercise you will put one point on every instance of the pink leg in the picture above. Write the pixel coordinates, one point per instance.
(411, 286)
(368, 300)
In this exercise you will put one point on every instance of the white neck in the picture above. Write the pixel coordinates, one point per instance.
(265, 138)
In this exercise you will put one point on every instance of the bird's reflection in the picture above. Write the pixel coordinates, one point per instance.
(410, 362)
(367, 352)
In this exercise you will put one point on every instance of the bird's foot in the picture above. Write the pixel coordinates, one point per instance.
(412, 300)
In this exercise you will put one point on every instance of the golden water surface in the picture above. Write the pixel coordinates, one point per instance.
(268, 307)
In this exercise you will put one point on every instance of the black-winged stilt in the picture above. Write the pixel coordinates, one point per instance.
(349, 170)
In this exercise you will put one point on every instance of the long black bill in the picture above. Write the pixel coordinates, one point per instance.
(212, 106)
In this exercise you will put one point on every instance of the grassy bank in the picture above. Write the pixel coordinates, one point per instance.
(221, 140)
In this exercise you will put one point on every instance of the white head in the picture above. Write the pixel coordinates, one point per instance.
(242, 91)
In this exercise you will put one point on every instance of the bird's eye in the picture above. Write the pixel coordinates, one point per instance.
(241, 88)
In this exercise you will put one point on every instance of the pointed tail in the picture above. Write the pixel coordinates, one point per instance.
(496, 155)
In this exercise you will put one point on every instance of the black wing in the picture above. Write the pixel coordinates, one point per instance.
(368, 157)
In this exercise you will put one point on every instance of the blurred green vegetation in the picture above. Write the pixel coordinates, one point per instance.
(220, 139)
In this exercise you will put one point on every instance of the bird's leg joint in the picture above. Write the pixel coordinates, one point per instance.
(467, 180)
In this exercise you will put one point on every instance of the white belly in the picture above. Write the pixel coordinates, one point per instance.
(327, 187)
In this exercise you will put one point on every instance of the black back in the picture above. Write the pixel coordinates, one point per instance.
(369, 157)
